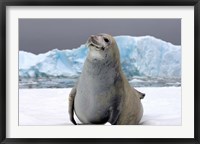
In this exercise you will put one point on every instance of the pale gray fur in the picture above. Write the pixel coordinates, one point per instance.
(102, 93)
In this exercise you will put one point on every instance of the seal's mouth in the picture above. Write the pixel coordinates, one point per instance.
(92, 44)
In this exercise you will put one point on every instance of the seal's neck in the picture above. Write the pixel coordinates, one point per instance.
(98, 67)
(103, 74)
(105, 63)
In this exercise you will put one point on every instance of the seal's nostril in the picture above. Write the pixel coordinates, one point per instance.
(94, 37)
(91, 37)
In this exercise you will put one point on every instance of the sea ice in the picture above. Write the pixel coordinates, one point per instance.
(162, 106)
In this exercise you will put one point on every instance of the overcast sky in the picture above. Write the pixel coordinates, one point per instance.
(42, 35)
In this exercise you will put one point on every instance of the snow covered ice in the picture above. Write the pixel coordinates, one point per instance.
(162, 106)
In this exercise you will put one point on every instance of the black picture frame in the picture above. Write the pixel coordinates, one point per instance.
(5, 3)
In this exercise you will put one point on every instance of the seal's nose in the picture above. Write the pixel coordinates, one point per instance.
(91, 38)
(94, 37)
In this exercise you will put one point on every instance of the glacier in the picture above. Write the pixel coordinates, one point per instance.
(143, 58)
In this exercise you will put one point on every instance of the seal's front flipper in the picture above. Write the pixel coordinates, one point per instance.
(71, 105)
(114, 114)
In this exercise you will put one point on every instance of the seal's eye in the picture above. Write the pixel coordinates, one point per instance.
(106, 39)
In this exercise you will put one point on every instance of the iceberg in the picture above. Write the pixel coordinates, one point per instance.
(144, 56)
(66, 63)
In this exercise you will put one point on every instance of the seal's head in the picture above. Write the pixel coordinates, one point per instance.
(102, 47)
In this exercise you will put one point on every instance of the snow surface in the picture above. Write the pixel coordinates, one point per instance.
(162, 106)
(140, 56)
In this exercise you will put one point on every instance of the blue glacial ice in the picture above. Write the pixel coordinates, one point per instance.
(144, 56)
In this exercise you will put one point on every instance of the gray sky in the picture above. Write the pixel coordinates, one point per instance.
(42, 35)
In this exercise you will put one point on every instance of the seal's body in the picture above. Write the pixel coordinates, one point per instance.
(103, 93)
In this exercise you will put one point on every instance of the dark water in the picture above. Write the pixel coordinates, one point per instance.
(65, 82)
